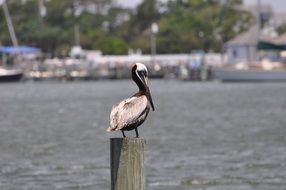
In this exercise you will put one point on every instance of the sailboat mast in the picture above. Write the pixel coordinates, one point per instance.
(258, 24)
(10, 25)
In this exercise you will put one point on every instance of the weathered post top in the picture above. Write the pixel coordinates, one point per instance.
(127, 163)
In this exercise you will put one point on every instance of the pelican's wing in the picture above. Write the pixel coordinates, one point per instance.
(127, 112)
(133, 110)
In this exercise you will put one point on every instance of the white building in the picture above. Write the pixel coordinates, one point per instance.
(243, 47)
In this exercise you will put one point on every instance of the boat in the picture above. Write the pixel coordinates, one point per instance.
(7, 75)
(11, 75)
(234, 75)
(11, 71)
(257, 72)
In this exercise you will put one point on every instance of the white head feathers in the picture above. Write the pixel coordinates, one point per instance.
(141, 67)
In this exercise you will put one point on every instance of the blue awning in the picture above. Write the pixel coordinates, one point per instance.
(19, 49)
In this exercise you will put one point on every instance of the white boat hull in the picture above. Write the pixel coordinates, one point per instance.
(236, 75)
(10, 75)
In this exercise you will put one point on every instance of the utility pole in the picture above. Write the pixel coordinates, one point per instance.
(154, 31)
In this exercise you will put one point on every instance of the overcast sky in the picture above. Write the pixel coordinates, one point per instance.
(278, 5)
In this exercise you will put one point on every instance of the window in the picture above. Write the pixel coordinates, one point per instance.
(234, 53)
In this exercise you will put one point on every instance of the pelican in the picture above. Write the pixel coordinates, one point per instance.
(130, 113)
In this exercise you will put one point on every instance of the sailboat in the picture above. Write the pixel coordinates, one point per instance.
(9, 75)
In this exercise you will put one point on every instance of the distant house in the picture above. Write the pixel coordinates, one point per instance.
(254, 45)
(242, 47)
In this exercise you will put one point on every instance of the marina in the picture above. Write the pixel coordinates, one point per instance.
(193, 100)
(261, 41)
(93, 67)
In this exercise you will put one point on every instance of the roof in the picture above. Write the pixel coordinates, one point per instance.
(19, 49)
(264, 8)
(248, 38)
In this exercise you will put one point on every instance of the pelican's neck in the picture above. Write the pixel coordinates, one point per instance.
(137, 80)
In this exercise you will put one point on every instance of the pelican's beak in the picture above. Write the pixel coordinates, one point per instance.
(150, 99)
(148, 93)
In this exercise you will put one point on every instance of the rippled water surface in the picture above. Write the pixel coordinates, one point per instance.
(209, 136)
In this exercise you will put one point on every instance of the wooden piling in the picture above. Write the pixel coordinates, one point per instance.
(127, 163)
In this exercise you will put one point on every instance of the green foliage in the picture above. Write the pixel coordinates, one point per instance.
(281, 29)
(112, 45)
(184, 25)
(147, 12)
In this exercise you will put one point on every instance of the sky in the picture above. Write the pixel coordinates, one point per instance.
(278, 5)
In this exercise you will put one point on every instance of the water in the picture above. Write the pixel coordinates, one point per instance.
(209, 136)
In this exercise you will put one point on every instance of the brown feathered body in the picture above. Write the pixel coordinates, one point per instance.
(129, 113)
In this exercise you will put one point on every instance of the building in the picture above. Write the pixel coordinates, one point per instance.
(243, 47)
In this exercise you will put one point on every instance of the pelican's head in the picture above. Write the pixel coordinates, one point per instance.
(140, 72)
(140, 76)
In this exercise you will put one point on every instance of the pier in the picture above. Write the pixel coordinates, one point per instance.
(127, 163)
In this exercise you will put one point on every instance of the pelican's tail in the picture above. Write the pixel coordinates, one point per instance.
(109, 129)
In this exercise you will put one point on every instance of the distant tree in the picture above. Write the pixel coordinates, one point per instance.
(184, 25)
(281, 29)
(112, 45)
(192, 24)
(146, 13)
